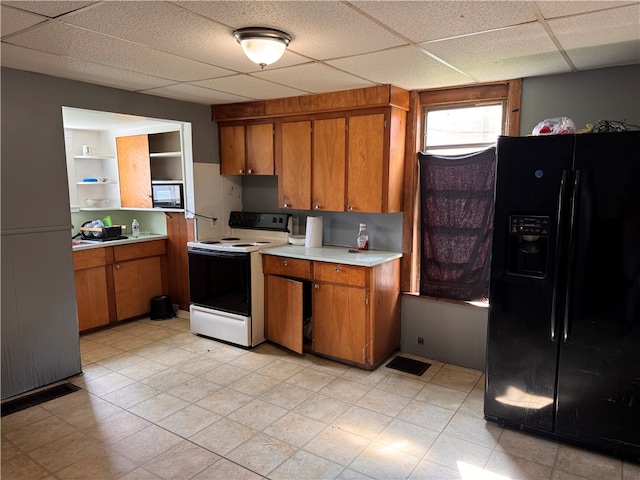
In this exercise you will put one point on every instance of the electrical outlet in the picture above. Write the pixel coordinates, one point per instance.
(420, 341)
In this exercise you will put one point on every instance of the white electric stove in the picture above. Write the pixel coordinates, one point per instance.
(226, 285)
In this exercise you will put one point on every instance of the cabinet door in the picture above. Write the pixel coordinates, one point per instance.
(284, 302)
(365, 165)
(260, 153)
(92, 297)
(329, 165)
(136, 282)
(232, 150)
(134, 170)
(340, 322)
(294, 177)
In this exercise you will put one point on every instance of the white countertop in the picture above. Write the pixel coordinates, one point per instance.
(86, 245)
(368, 258)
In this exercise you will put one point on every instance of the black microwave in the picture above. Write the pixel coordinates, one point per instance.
(167, 195)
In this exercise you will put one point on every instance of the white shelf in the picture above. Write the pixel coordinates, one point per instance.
(95, 157)
(165, 154)
(166, 182)
(97, 183)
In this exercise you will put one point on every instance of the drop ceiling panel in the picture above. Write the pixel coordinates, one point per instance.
(314, 78)
(320, 30)
(611, 34)
(250, 87)
(169, 28)
(40, 62)
(422, 21)
(14, 20)
(565, 8)
(193, 93)
(406, 67)
(51, 9)
(521, 51)
(64, 39)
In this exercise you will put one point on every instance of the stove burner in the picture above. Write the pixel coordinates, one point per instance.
(243, 244)
(209, 242)
(230, 239)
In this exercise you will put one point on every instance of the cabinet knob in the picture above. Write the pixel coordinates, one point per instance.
(116, 266)
(351, 208)
(316, 206)
(336, 269)
(241, 171)
(316, 286)
(249, 171)
(285, 205)
(285, 263)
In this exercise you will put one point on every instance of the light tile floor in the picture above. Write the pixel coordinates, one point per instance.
(158, 402)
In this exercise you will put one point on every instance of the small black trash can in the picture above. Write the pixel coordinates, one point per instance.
(161, 308)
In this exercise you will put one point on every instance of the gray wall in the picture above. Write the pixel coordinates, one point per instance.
(584, 97)
(40, 343)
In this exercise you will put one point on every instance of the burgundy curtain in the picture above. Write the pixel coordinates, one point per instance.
(456, 203)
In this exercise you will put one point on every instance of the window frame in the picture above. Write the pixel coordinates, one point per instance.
(509, 92)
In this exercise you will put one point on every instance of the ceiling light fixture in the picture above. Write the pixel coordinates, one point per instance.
(263, 46)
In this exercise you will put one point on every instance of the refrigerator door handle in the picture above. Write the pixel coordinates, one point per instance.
(556, 262)
(572, 242)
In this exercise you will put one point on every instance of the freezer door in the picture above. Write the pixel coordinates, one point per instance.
(522, 331)
(599, 369)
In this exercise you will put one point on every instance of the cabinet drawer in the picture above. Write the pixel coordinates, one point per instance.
(285, 266)
(340, 273)
(95, 257)
(140, 250)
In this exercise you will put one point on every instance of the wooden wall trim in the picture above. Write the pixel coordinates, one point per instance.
(378, 96)
(180, 230)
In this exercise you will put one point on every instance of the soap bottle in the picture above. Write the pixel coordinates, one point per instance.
(135, 229)
(362, 241)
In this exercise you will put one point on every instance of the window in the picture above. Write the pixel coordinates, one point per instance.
(462, 129)
(453, 121)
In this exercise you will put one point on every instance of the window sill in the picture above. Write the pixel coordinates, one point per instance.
(477, 304)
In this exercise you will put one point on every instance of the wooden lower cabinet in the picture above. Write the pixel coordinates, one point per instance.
(355, 310)
(340, 320)
(135, 283)
(117, 283)
(285, 312)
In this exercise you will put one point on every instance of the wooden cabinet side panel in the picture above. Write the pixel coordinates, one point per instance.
(385, 310)
(232, 150)
(92, 301)
(365, 163)
(294, 179)
(284, 314)
(260, 149)
(340, 322)
(176, 276)
(134, 170)
(394, 184)
(329, 160)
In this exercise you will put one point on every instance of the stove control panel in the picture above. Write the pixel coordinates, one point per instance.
(278, 222)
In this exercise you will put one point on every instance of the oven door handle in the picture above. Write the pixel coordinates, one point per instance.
(216, 253)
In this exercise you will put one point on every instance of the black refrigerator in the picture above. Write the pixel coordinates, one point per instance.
(563, 343)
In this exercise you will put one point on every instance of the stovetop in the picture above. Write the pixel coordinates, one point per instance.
(250, 232)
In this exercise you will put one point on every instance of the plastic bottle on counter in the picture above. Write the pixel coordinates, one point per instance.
(135, 229)
(362, 241)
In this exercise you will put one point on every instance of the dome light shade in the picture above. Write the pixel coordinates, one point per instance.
(263, 46)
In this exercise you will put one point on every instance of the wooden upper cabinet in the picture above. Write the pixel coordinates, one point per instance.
(260, 154)
(232, 150)
(134, 171)
(366, 165)
(294, 169)
(247, 149)
(328, 167)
